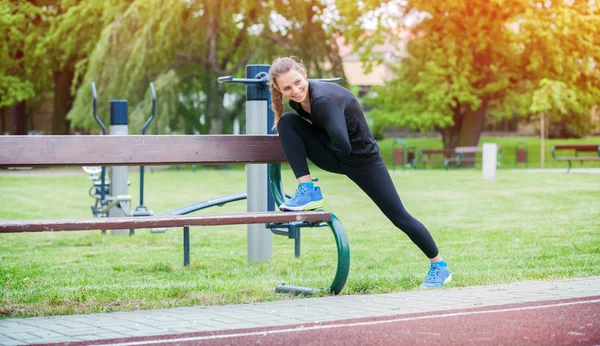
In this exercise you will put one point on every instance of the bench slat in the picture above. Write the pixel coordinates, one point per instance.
(472, 150)
(436, 151)
(26, 151)
(434, 160)
(468, 150)
(577, 147)
(578, 158)
(15, 226)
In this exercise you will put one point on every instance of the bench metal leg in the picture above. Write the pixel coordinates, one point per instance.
(293, 232)
(186, 246)
(343, 249)
(297, 242)
(343, 263)
(339, 233)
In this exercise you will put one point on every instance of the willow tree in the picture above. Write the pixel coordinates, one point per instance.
(465, 59)
(184, 46)
(73, 28)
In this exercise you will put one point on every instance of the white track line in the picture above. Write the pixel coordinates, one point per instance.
(344, 325)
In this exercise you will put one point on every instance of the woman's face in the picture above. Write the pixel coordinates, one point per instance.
(293, 85)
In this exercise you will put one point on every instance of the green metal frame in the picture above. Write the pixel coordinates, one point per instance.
(339, 234)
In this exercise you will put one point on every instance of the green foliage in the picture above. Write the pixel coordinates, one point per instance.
(181, 46)
(553, 96)
(191, 44)
(117, 75)
(13, 89)
(44, 38)
(480, 56)
(16, 28)
(557, 100)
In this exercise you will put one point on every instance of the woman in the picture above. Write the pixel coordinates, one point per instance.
(329, 129)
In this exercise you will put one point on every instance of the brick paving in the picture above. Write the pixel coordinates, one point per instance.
(73, 328)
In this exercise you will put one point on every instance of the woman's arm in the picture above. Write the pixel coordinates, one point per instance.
(335, 125)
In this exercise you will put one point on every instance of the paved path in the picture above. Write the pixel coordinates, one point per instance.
(158, 324)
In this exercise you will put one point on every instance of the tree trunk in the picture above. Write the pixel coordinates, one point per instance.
(337, 66)
(470, 132)
(63, 100)
(450, 134)
(450, 137)
(18, 113)
(472, 126)
(467, 128)
(3, 121)
(213, 108)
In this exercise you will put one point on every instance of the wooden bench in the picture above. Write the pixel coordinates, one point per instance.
(424, 156)
(455, 156)
(470, 154)
(592, 151)
(44, 151)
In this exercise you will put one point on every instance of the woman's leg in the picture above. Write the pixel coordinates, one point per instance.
(301, 141)
(374, 179)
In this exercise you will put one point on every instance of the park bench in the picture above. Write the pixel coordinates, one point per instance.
(573, 151)
(455, 156)
(470, 154)
(47, 151)
(444, 156)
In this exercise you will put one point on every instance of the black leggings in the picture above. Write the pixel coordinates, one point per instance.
(300, 140)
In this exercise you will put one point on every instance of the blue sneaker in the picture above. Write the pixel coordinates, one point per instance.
(438, 275)
(306, 198)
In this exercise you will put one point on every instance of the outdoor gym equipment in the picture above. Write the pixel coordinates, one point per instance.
(141, 209)
(259, 197)
(261, 179)
(111, 198)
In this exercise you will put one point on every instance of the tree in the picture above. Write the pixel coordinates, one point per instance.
(468, 58)
(551, 98)
(187, 45)
(16, 85)
(45, 40)
(73, 30)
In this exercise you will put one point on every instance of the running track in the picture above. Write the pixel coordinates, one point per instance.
(555, 322)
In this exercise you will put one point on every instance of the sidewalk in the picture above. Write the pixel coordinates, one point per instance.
(227, 317)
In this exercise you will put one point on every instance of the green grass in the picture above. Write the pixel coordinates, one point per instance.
(524, 225)
(507, 144)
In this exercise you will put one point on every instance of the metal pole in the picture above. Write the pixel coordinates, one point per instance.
(141, 209)
(260, 240)
(118, 174)
(542, 144)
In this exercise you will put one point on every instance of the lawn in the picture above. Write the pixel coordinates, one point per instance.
(524, 225)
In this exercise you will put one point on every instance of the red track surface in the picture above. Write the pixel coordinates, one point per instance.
(557, 322)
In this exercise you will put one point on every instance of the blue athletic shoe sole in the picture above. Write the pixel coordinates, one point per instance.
(313, 205)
